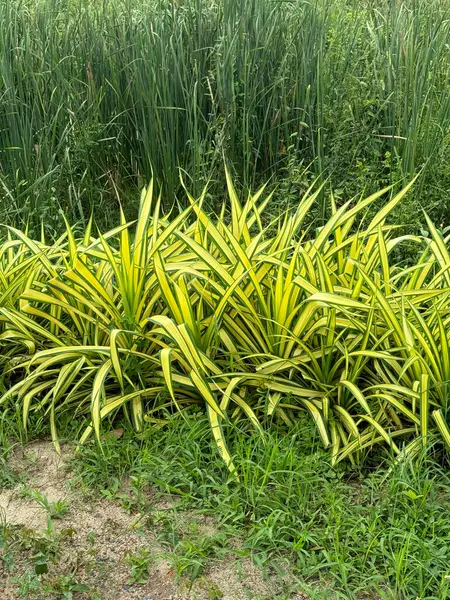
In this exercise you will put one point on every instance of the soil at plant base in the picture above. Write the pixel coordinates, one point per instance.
(91, 543)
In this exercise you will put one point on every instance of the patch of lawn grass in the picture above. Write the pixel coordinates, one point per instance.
(384, 533)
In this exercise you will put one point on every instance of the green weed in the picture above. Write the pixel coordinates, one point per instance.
(55, 510)
(139, 563)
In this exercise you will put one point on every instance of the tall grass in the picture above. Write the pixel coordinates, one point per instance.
(95, 96)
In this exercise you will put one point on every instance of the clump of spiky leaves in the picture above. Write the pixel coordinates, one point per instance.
(255, 323)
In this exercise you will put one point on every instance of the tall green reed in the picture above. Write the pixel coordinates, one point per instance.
(97, 96)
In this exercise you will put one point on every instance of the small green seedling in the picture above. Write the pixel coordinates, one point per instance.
(55, 510)
(139, 562)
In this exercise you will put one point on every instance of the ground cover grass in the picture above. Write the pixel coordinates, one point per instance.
(312, 530)
(374, 533)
